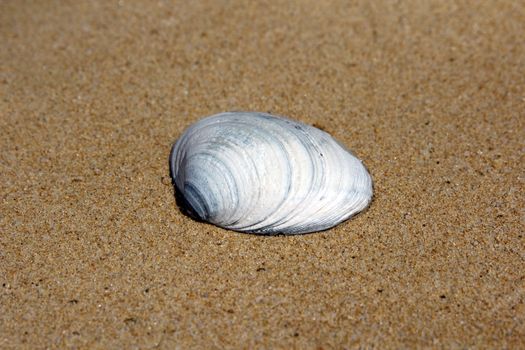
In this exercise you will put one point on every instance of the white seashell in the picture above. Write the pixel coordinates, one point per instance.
(254, 172)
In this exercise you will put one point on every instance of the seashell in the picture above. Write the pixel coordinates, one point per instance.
(259, 173)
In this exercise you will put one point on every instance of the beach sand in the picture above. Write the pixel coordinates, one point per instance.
(94, 252)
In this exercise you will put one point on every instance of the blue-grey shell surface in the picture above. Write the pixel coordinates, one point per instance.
(255, 172)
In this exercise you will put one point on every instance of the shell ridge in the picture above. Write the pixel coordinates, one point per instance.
(256, 135)
(313, 149)
(291, 196)
(269, 139)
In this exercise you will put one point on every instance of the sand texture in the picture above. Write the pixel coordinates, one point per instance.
(94, 252)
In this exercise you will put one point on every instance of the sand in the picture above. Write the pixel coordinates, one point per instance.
(94, 252)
